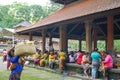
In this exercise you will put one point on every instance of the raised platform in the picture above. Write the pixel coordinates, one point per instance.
(114, 73)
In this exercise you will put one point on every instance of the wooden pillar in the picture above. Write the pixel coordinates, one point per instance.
(50, 39)
(106, 44)
(43, 40)
(80, 44)
(50, 42)
(95, 38)
(88, 36)
(110, 33)
(30, 36)
(63, 38)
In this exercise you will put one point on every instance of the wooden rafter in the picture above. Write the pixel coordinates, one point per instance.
(73, 28)
(117, 25)
(101, 31)
(70, 36)
(104, 22)
(82, 34)
(53, 29)
(64, 2)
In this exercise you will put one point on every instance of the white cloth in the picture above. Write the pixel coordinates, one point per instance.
(71, 59)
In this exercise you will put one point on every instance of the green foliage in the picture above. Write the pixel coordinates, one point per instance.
(23, 13)
(101, 45)
(117, 45)
(83, 45)
(36, 13)
(72, 45)
(0, 54)
(11, 15)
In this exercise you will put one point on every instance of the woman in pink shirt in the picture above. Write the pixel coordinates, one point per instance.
(4, 53)
(108, 62)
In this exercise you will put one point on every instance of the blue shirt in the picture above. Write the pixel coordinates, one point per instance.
(15, 60)
(95, 56)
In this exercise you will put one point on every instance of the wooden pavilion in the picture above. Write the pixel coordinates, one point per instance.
(89, 20)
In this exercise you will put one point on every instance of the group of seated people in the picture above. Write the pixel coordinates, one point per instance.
(48, 59)
(95, 58)
(99, 61)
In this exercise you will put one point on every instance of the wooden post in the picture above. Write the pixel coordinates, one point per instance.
(88, 36)
(80, 44)
(50, 42)
(110, 33)
(63, 38)
(50, 39)
(43, 40)
(106, 44)
(95, 38)
(30, 36)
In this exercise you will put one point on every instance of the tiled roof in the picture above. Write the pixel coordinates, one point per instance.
(24, 23)
(80, 9)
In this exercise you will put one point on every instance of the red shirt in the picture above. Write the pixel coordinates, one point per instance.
(79, 60)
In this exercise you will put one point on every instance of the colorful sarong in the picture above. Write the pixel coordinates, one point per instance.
(15, 76)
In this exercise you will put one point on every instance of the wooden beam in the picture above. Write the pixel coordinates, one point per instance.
(53, 29)
(73, 28)
(70, 36)
(101, 37)
(105, 22)
(117, 25)
(82, 34)
(101, 31)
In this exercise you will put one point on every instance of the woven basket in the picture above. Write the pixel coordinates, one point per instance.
(25, 49)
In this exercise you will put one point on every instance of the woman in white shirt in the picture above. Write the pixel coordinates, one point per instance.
(71, 57)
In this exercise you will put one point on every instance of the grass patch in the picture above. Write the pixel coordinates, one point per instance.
(1, 54)
(4, 75)
(35, 74)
